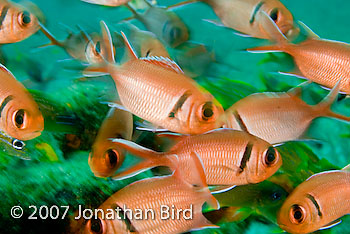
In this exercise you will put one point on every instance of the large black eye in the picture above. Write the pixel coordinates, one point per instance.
(96, 226)
(98, 48)
(17, 144)
(297, 214)
(24, 18)
(275, 196)
(19, 119)
(274, 14)
(112, 157)
(175, 33)
(207, 111)
(270, 157)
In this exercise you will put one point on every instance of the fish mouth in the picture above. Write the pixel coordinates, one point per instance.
(31, 136)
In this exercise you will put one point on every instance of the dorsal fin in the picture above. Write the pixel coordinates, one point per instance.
(163, 62)
(310, 33)
(129, 48)
(107, 42)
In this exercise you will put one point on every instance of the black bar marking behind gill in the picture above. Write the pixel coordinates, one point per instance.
(179, 104)
(3, 14)
(240, 121)
(4, 103)
(315, 203)
(256, 10)
(123, 216)
(246, 157)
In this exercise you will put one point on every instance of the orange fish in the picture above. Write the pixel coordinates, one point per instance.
(279, 117)
(321, 61)
(156, 90)
(17, 22)
(157, 194)
(112, 3)
(243, 15)
(229, 157)
(317, 203)
(105, 158)
(20, 116)
(81, 46)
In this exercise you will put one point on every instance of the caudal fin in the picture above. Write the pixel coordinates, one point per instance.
(53, 40)
(273, 33)
(324, 107)
(150, 158)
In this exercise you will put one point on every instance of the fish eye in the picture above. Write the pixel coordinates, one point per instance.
(24, 18)
(98, 48)
(270, 156)
(96, 226)
(274, 14)
(19, 119)
(275, 196)
(175, 32)
(207, 111)
(112, 157)
(17, 144)
(297, 214)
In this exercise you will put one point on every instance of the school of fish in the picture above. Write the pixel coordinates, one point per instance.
(212, 150)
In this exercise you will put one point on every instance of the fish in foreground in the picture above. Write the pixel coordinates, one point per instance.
(319, 60)
(279, 117)
(81, 46)
(156, 194)
(229, 157)
(156, 90)
(105, 157)
(20, 116)
(317, 203)
(18, 22)
(112, 3)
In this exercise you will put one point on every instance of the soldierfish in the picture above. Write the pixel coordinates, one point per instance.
(105, 158)
(243, 15)
(166, 25)
(321, 61)
(20, 116)
(17, 22)
(229, 157)
(156, 90)
(155, 194)
(145, 43)
(317, 203)
(279, 117)
(81, 46)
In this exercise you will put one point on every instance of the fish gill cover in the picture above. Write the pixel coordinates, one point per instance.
(51, 172)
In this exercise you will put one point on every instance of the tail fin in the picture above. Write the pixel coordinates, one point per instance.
(199, 170)
(273, 32)
(151, 159)
(324, 107)
(53, 40)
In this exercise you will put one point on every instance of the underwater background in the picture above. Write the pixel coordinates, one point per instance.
(58, 172)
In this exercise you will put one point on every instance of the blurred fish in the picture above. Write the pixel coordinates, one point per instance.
(153, 194)
(81, 46)
(13, 147)
(230, 157)
(321, 61)
(105, 158)
(112, 3)
(156, 90)
(279, 117)
(317, 203)
(240, 202)
(145, 43)
(243, 15)
(20, 116)
(17, 22)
